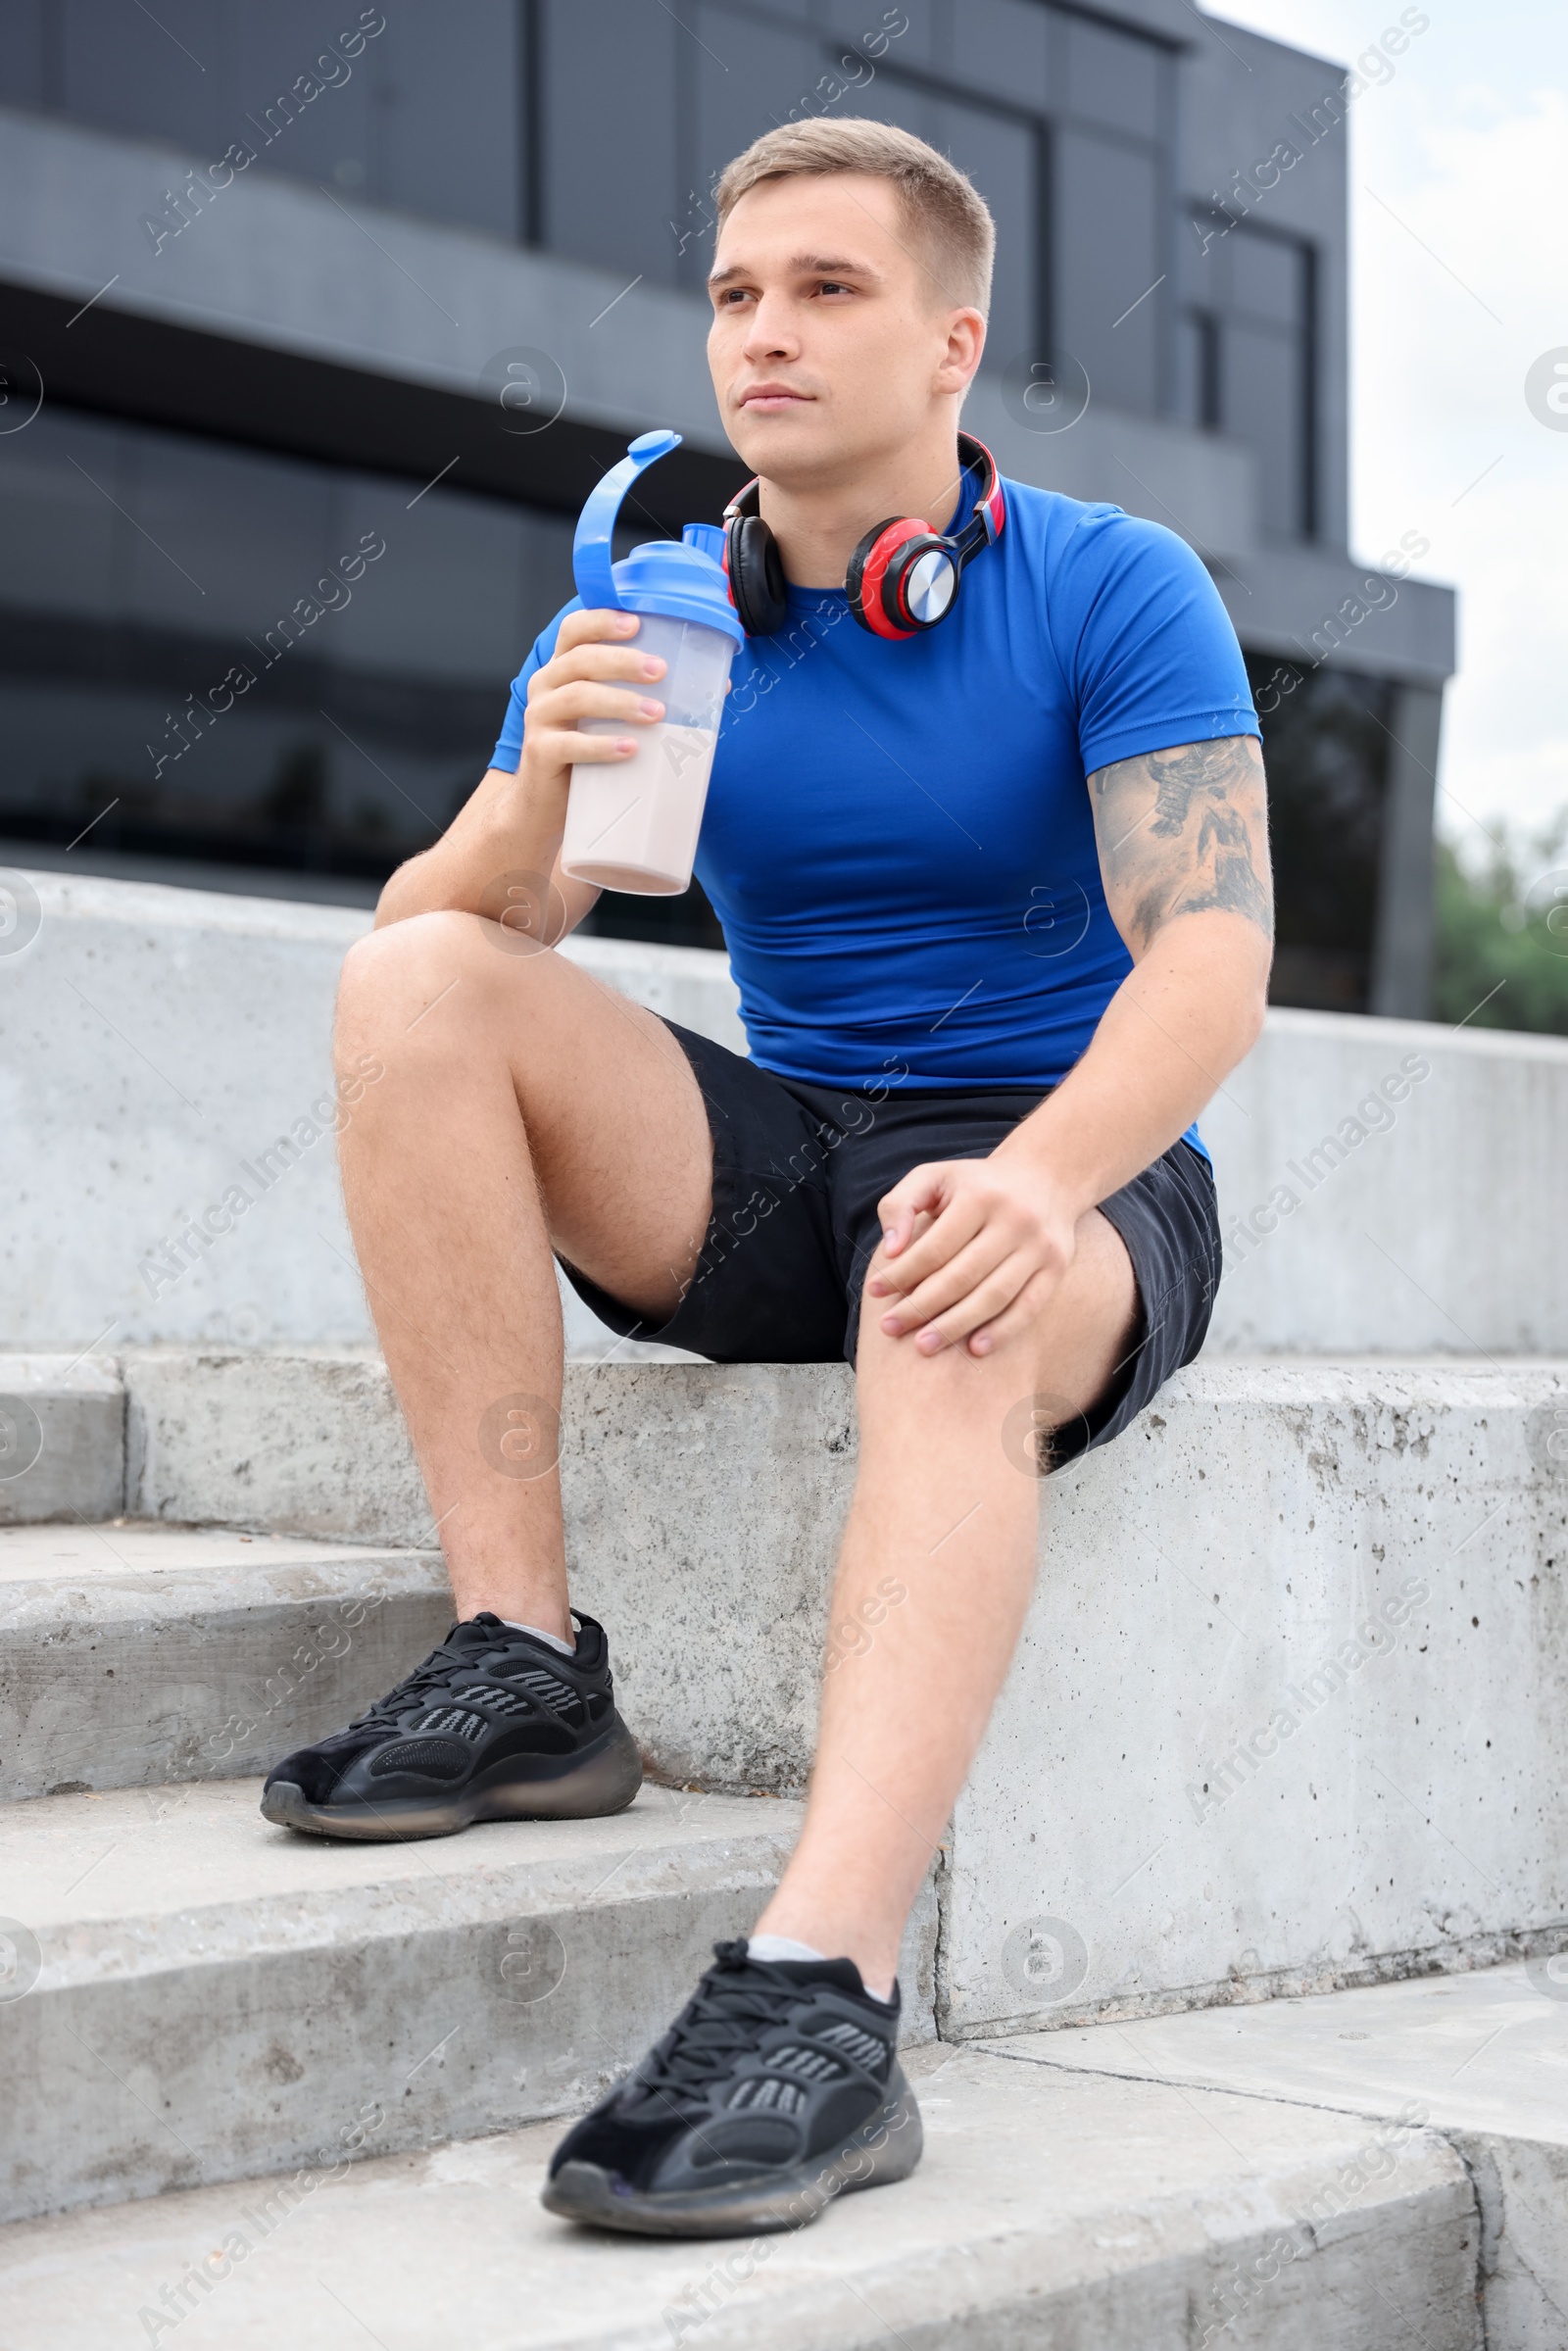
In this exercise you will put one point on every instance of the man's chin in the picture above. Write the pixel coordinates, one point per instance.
(801, 425)
(793, 446)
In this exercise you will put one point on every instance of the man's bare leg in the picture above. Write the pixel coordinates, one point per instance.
(522, 1104)
(944, 1513)
(517, 1095)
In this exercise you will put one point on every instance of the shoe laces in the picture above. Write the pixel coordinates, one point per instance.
(735, 1997)
(426, 1681)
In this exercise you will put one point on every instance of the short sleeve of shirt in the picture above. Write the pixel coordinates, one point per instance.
(1144, 641)
(509, 747)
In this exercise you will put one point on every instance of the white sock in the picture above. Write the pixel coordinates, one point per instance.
(784, 1946)
(568, 1648)
(779, 1946)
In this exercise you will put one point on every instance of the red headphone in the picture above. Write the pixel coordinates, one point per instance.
(902, 577)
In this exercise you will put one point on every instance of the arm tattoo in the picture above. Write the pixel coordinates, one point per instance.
(1181, 832)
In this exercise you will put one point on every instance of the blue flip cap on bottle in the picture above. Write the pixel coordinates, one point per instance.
(684, 581)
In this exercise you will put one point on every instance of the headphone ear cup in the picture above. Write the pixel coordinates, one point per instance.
(757, 584)
(866, 580)
(922, 584)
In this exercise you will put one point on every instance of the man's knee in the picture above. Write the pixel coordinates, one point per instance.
(394, 977)
(882, 1358)
(401, 954)
(1062, 1351)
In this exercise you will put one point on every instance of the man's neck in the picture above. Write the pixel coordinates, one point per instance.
(818, 525)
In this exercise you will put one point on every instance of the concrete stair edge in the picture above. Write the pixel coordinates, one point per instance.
(1129, 2217)
(124, 1432)
(1354, 1486)
(133, 1655)
(62, 1435)
(1388, 2054)
(197, 1987)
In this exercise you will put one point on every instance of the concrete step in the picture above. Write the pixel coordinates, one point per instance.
(62, 1438)
(188, 1033)
(1483, 2059)
(133, 1653)
(1051, 2207)
(192, 1990)
(1289, 1708)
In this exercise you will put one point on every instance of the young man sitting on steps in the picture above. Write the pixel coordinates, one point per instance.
(993, 874)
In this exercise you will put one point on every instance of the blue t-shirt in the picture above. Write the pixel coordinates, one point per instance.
(898, 839)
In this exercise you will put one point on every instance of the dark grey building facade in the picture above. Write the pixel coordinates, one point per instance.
(317, 325)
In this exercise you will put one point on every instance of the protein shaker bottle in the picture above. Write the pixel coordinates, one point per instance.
(634, 825)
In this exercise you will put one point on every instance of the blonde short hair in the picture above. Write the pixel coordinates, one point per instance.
(945, 211)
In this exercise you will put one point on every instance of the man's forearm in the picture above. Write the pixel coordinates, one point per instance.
(501, 853)
(502, 831)
(1174, 1030)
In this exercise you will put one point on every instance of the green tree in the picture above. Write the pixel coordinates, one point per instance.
(1503, 933)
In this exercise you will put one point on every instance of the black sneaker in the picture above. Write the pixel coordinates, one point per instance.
(777, 2088)
(493, 1726)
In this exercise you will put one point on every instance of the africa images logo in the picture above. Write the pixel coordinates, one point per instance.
(1547, 389)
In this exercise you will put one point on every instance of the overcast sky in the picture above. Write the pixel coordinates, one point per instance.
(1468, 147)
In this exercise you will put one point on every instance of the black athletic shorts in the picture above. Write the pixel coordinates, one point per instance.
(797, 1172)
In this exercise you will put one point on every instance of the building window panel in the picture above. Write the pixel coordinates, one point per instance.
(25, 76)
(1111, 311)
(238, 534)
(454, 596)
(426, 116)
(1113, 78)
(1197, 348)
(1267, 277)
(363, 729)
(1260, 403)
(1326, 749)
(927, 41)
(612, 190)
(346, 136)
(441, 91)
(168, 79)
(1247, 361)
(58, 546)
(1002, 49)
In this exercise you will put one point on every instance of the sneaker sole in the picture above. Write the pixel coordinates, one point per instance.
(883, 2150)
(603, 1780)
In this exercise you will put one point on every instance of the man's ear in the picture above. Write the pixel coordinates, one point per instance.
(967, 342)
